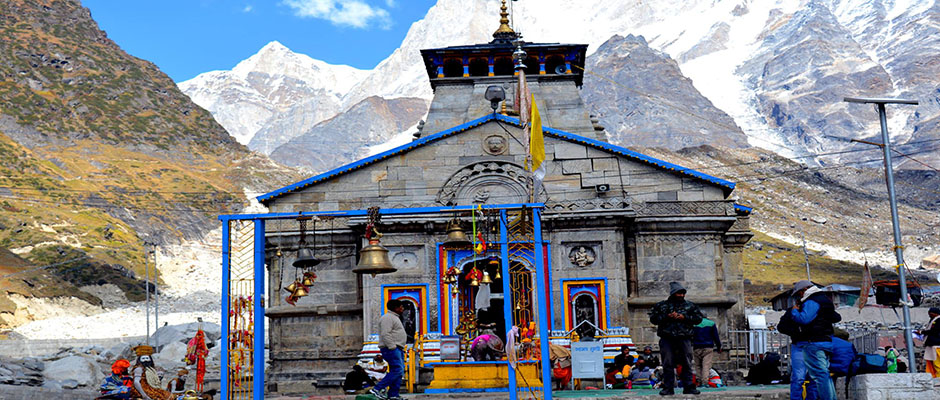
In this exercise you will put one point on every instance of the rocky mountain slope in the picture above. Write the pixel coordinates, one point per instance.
(100, 152)
(779, 69)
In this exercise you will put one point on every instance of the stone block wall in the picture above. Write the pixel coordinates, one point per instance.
(917, 386)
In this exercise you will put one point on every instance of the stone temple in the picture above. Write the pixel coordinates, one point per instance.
(618, 225)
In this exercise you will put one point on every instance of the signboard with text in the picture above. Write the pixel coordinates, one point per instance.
(587, 360)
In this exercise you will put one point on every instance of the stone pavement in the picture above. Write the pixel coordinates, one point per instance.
(730, 393)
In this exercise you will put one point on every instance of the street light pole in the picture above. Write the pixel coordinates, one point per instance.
(898, 248)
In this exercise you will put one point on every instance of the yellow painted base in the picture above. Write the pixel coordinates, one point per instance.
(482, 376)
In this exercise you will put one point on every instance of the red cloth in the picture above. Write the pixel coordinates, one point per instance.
(196, 353)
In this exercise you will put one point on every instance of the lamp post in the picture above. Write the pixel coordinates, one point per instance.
(898, 248)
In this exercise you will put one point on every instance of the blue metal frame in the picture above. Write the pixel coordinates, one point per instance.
(561, 288)
(258, 371)
(556, 133)
(543, 303)
(507, 295)
(226, 275)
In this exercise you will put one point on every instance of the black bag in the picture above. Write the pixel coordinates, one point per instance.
(867, 363)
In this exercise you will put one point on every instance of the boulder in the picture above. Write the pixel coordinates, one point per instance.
(931, 262)
(84, 371)
(69, 384)
(171, 356)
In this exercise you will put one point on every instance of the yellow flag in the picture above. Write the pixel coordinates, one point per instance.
(536, 140)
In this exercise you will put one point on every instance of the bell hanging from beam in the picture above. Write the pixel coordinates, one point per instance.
(373, 259)
(309, 278)
(290, 288)
(456, 237)
(486, 278)
(299, 292)
(305, 259)
(455, 289)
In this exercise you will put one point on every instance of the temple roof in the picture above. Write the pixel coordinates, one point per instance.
(726, 186)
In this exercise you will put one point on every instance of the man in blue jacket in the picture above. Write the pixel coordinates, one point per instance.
(814, 313)
(705, 344)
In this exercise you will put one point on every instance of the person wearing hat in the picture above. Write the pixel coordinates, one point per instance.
(650, 359)
(932, 342)
(674, 319)
(814, 315)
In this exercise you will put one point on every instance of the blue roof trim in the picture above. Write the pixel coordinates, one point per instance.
(727, 185)
(375, 158)
(743, 209)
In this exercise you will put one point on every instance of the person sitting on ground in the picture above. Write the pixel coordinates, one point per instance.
(118, 384)
(178, 385)
(649, 358)
(641, 376)
(377, 368)
(356, 380)
(765, 372)
(487, 347)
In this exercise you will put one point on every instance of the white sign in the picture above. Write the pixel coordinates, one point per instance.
(587, 360)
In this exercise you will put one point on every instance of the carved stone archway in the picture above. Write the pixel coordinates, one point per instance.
(488, 182)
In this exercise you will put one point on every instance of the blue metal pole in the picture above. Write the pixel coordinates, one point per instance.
(543, 305)
(258, 370)
(226, 231)
(507, 294)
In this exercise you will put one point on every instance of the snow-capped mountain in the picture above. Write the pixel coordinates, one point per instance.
(777, 69)
(264, 88)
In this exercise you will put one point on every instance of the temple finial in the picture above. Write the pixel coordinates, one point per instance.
(505, 32)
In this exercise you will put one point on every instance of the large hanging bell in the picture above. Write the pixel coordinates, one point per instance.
(456, 237)
(300, 291)
(373, 259)
(486, 278)
(305, 259)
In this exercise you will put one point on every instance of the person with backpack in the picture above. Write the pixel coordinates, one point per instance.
(788, 327)
(814, 313)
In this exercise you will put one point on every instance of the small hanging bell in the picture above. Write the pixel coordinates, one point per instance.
(518, 306)
(308, 280)
(305, 259)
(455, 289)
(290, 288)
(299, 292)
(486, 278)
(474, 282)
(456, 237)
(497, 276)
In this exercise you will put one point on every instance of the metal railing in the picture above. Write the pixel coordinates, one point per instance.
(748, 347)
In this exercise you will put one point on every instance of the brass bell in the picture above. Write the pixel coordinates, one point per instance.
(455, 235)
(497, 276)
(307, 281)
(373, 259)
(486, 278)
(518, 306)
(455, 289)
(300, 291)
(474, 282)
(305, 259)
(290, 288)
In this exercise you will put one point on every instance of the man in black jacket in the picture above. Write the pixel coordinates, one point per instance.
(674, 319)
(814, 314)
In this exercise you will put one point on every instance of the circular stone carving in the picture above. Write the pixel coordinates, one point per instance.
(582, 256)
(489, 182)
(495, 145)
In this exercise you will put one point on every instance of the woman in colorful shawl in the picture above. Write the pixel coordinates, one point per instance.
(932, 342)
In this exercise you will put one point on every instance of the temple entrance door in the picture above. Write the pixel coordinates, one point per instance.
(521, 287)
(409, 318)
(585, 309)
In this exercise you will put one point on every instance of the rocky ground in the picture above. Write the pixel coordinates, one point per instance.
(83, 368)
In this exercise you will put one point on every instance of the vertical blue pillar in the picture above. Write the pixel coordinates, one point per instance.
(257, 391)
(543, 304)
(507, 293)
(226, 231)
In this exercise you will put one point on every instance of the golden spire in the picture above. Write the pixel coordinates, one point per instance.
(504, 31)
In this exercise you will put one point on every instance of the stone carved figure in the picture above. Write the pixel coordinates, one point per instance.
(495, 145)
(582, 257)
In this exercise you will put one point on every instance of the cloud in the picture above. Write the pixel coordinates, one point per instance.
(353, 13)
(247, 9)
(390, 3)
